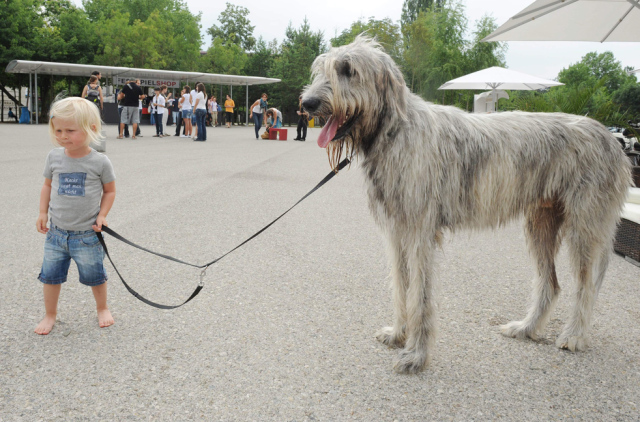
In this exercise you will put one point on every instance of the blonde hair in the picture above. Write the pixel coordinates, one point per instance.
(83, 112)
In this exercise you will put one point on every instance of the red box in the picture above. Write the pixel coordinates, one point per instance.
(280, 134)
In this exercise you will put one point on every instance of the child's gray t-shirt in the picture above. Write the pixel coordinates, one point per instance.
(76, 188)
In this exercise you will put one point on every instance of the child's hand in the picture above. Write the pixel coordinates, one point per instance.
(41, 223)
(100, 221)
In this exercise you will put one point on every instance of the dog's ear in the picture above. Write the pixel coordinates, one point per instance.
(394, 89)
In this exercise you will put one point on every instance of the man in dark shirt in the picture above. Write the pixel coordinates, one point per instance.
(130, 94)
(303, 120)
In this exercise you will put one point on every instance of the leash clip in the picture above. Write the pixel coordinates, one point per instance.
(203, 273)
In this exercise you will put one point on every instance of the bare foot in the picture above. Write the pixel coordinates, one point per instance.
(46, 325)
(104, 318)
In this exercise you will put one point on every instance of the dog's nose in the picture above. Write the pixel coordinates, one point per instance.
(311, 104)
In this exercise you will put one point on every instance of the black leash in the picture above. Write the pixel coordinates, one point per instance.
(106, 229)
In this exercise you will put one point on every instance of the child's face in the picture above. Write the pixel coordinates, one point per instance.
(69, 135)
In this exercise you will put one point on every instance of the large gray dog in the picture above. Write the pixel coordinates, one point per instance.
(433, 168)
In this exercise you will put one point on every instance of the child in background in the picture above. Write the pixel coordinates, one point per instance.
(78, 192)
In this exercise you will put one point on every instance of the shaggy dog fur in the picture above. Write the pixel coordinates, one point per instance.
(432, 168)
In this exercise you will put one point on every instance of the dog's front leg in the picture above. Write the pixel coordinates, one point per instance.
(395, 336)
(420, 303)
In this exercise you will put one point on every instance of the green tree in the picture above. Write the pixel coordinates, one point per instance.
(293, 65)
(260, 62)
(594, 67)
(628, 97)
(47, 30)
(18, 37)
(164, 25)
(412, 8)
(235, 27)
(224, 59)
(482, 55)
(436, 50)
(384, 31)
(573, 100)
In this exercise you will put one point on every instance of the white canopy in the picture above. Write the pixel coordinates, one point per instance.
(71, 69)
(486, 102)
(156, 76)
(573, 20)
(498, 77)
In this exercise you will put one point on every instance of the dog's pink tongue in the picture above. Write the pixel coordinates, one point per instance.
(328, 132)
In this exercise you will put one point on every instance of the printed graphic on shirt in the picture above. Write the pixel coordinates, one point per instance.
(72, 184)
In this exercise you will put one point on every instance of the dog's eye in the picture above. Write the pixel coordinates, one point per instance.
(345, 69)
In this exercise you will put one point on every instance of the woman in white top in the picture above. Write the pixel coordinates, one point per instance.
(185, 101)
(200, 108)
(157, 107)
(256, 113)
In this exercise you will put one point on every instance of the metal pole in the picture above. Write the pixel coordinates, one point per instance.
(36, 98)
(246, 108)
(30, 101)
(231, 95)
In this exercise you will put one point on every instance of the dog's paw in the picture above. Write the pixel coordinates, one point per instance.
(518, 329)
(411, 362)
(391, 338)
(572, 343)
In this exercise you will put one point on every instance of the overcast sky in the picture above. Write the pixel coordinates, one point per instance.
(543, 59)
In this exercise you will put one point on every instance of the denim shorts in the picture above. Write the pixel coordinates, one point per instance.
(83, 247)
(186, 114)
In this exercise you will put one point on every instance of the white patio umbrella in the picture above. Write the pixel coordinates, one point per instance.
(499, 78)
(573, 20)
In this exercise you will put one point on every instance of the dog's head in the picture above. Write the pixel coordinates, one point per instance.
(357, 88)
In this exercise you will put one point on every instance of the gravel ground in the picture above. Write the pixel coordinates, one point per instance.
(284, 329)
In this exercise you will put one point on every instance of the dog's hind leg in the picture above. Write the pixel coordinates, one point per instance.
(543, 236)
(421, 307)
(395, 336)
(588, 242)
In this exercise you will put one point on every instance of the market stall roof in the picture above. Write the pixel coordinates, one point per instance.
(72, 69)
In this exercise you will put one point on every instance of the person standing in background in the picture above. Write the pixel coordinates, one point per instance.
(185, 102)
(138, 131)
(120, 107)
(93, 92)
(179, 119)
(214, 112)
(200, 108)
(303, 119)
(194, 126)
(229, 105)
(264, 105)
(209, 118)
(257, 114)
(132, 95)
(165, 110)
(157, 108)
(175, 109)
